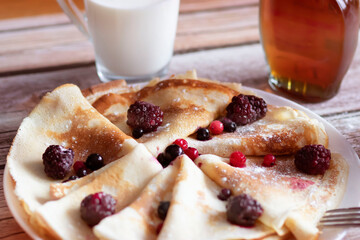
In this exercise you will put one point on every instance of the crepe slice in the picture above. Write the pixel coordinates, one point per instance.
(187, 104)
(123, 179)
(63, 117)
(118, 86)
(140, 220)
(196, 212)
(282, 131)
(289, 198)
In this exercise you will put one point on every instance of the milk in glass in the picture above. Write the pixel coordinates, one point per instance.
(132, 38)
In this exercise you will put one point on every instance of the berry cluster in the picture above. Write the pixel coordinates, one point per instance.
(179, 147)
(97, 206)
(58, 161)
(144, 117)
(245, 109)
(243, 210)
(216, 127)
(313, 159)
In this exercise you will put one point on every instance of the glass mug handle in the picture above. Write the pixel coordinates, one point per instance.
(74, 13)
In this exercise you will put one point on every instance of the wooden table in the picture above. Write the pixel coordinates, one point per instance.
(219, 38)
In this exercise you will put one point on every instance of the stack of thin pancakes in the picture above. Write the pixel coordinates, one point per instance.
(94, 121)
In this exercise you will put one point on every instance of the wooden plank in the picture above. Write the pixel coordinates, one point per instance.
(50, 47)
(17, 236)
(34, 13)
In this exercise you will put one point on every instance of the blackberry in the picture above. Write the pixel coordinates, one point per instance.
(313, 159)
(57, 161)
(243, 210)
(229, 126)
(224, 194)
(163, 209)
(245, 109)
(94, 161)
(144, 115)
(259, 105)
(202, 134)
(97, 206)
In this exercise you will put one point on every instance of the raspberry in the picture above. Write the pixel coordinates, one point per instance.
(269, 160)
(94, 162)
(57, 161)
(182, 143)
(229, 126)
(224, 194)
(243, 210)
(202, 134)
(313, 159)
(163, 209)
(245, 109)
(145, 116)
(192, 153)
(216, 127)
(237, 159)
(97, 206)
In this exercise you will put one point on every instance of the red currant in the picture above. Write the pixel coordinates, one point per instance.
(182, 143)
(216, 127)
(269, 160)
(238, 159)
(79, 165)
(192, 153)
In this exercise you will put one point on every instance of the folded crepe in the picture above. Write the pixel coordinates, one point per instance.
(63, 117)
(289, 198)
(140, 220)
(123, 179)
(187, 105)
(282, 131)
(195, 211)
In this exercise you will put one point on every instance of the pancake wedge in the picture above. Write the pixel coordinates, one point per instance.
(140, 220)
(196, 208)
(123, 179)
(289, 198)
(187, 104)
(282, 131)
(63, 117)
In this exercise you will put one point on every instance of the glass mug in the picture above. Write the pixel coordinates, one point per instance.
(309, 44)
(132, 39)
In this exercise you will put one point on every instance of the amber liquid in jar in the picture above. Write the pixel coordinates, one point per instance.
(309, 44)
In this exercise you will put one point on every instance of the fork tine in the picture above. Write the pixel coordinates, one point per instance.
(341, 217)
(340, 220)
(340, 225)
(344, 215)
(353, 209)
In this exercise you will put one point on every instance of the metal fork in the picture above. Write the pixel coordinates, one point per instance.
(341, 217)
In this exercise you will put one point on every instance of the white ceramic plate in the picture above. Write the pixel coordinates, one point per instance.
(337, 144)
